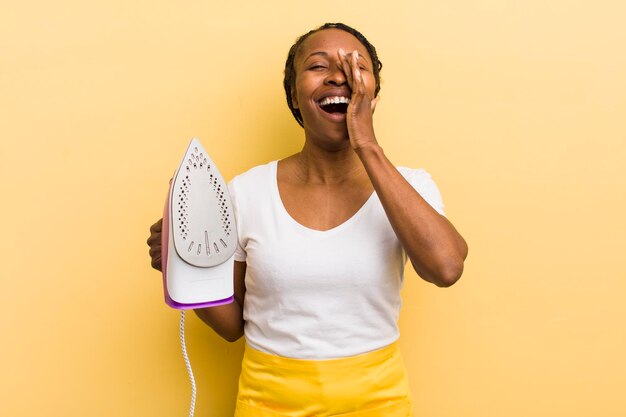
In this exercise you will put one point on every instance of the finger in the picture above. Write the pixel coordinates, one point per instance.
(345, 67)
(155, 232)
(154, 239)
(360, 85)
(155, 251)
(156, 227)
(156, 263)
(374, 103)
(355, 67)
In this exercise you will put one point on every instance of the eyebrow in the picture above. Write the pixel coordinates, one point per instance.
(322, 53)
(325, 54)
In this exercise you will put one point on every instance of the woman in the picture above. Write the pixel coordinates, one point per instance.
(323, 238)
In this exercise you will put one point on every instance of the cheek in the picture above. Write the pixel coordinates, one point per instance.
(370, 84)
(298, 88)
(303, 89)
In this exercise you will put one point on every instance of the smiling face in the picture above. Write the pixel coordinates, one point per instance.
(321, 91)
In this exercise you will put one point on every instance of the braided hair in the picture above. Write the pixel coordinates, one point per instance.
(290, 70)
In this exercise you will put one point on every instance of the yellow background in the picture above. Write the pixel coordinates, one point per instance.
(517, 109)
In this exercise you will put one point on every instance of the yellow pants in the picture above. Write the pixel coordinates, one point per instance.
(372, 384)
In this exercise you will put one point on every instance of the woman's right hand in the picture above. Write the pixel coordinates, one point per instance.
(154, 241)
(226, 320)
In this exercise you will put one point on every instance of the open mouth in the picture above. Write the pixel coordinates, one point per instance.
(335, 104)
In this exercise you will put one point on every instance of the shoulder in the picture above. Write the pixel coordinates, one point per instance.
(414, 174)
(419, 178)
(424, 184)
(253, 177)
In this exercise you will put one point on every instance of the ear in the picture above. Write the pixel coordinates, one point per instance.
(294, 98)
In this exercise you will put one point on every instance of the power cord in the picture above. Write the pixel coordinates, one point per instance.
(187, 363)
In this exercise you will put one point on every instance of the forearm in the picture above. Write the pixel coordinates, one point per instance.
(226, 320)
(433, 245)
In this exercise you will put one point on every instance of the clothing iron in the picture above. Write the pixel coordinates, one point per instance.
(199, 235)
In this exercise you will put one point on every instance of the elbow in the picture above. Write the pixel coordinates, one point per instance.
(227, 327)
(449, 276)
(452, 270)
(442, 268)
(231, 335)
(443, 276)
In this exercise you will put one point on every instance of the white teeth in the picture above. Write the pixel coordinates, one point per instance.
(334, 100)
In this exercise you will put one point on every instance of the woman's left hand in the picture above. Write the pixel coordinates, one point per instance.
(361, 108)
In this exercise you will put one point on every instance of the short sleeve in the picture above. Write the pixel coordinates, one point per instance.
(425, 186)
(240, 253)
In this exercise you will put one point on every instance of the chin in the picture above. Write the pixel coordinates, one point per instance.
(339, 134)
(333, 138)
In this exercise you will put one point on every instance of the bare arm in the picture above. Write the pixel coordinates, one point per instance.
(436, 250)
(226, 320)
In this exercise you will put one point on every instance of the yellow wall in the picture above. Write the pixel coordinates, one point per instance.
(516, 108)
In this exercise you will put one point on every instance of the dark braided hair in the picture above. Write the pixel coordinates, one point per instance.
(290, 71)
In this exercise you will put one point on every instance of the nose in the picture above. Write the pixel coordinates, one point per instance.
(336, 76)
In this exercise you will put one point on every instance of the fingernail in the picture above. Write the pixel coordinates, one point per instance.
(342, 52)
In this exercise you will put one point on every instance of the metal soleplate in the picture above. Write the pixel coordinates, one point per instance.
(201, 211)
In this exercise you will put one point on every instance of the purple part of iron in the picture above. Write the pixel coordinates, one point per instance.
(181, 306)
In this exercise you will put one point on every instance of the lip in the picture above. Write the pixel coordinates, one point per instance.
(334, 93)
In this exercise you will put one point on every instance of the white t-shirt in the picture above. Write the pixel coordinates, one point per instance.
(314, 294)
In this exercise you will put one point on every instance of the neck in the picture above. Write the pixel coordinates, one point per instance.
(318, 166)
